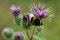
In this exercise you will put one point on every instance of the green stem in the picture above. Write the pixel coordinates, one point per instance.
(33, 33)
(27, 33)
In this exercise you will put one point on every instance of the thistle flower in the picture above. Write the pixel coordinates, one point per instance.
(18, 37)
(40, 13)
(15, 10)
(7, 33)
(26, 21)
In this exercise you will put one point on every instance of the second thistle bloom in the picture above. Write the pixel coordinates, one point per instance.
(26, 21)
(15, 10)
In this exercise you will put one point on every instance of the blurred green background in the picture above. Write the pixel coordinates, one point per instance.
(6, 18)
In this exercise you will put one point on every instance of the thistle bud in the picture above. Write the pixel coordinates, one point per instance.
(7, 33)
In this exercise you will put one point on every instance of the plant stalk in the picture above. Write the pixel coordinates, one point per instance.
(33, 33)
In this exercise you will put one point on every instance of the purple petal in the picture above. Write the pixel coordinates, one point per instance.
(43, 14)
(15, 10)
(36, 12)
(40, 13)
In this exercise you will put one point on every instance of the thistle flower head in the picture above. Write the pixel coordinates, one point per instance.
(18, 37)
(15, 10)
(26, 21)
(39, 11)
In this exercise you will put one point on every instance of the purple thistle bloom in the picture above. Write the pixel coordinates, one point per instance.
(40, 13)
(26, 21)
(15, 10)
(18, 37)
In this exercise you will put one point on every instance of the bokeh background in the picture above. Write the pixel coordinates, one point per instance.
(6, 18)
